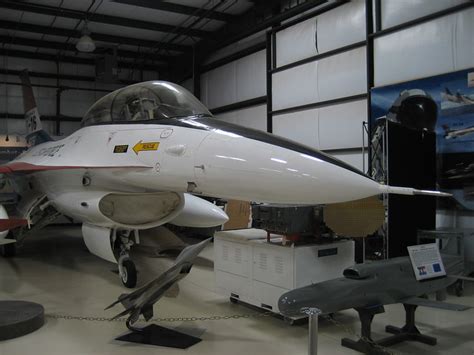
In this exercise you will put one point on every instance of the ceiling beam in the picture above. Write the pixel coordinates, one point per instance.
(22, 41)
(64, 32)
(76, 60)
(101, 18)
(180, 9)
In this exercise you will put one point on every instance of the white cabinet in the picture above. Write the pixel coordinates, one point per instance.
(250, 269)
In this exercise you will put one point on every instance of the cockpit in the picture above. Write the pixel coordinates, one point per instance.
(152, 100)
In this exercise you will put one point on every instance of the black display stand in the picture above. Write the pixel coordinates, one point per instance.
(160, 336)
(367, 345)
(411, 162)
(18, 318)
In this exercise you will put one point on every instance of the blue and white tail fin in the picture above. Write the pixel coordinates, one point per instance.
(34, 128)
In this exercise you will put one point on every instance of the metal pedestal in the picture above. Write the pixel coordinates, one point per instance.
(367, 345)
(313, 314)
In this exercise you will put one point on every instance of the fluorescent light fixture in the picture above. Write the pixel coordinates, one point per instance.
(85, 43)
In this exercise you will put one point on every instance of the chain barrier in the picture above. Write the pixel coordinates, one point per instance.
(331, 319)
(169, 319)
(351, 332)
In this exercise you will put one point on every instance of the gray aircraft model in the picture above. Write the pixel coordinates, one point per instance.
(364, 285)
(141, 301)
(367, 287)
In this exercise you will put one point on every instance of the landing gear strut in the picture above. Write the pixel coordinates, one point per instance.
(127, 268)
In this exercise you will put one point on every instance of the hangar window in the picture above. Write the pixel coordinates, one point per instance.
(152, 100)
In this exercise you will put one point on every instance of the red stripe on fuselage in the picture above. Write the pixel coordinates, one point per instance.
(31, 168)
(10, 223)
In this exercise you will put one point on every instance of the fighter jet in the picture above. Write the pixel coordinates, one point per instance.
(146, 152)
(456, 133)
(142, 300)
(370, 285)
(459, 98)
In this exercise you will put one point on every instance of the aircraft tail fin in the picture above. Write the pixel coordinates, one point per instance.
(411, 191)
(32, 117)
(34, 129)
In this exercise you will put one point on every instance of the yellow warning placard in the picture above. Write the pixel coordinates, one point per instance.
(145, 146)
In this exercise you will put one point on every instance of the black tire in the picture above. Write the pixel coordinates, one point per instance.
(129, 276)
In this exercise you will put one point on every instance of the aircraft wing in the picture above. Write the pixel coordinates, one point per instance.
(417, 301)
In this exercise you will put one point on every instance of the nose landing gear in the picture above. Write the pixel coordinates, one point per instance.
(127, 272)
(127, 269)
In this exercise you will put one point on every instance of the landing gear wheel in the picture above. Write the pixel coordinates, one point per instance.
(128, 274)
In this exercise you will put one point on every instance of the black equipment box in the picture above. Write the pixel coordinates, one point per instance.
(288, 220)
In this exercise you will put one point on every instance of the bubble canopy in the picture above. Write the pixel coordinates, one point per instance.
(151, 100)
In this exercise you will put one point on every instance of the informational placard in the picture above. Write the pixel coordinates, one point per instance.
(426, 261)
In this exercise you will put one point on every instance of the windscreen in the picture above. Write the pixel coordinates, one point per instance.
(145, 101)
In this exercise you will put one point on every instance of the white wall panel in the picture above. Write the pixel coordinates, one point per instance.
(45, 99)
(415, 52)
(76, 103)
(356, 159)
(188, 84)
(205, 89)
(14, 63)
(395, 12)
(464, 45)
(301, 126)
(76, 69)
(296, 42)
(251, 76)
(13, 126)
(236, 47)
(341, 26)
(237, 81)
(251, 117)
(342, 75)
(222, 88)
(340, 126)
(295, 86)
(69, 127)
(150, 75)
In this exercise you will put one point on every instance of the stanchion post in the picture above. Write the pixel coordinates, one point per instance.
(313, 314)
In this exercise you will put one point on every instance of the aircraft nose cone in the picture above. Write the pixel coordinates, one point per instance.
(295, 302)
(288, 306)
(265, 168)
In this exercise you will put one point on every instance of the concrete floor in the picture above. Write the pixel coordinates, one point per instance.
(55, 269)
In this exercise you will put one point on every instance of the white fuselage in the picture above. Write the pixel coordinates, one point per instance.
(210, 162)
